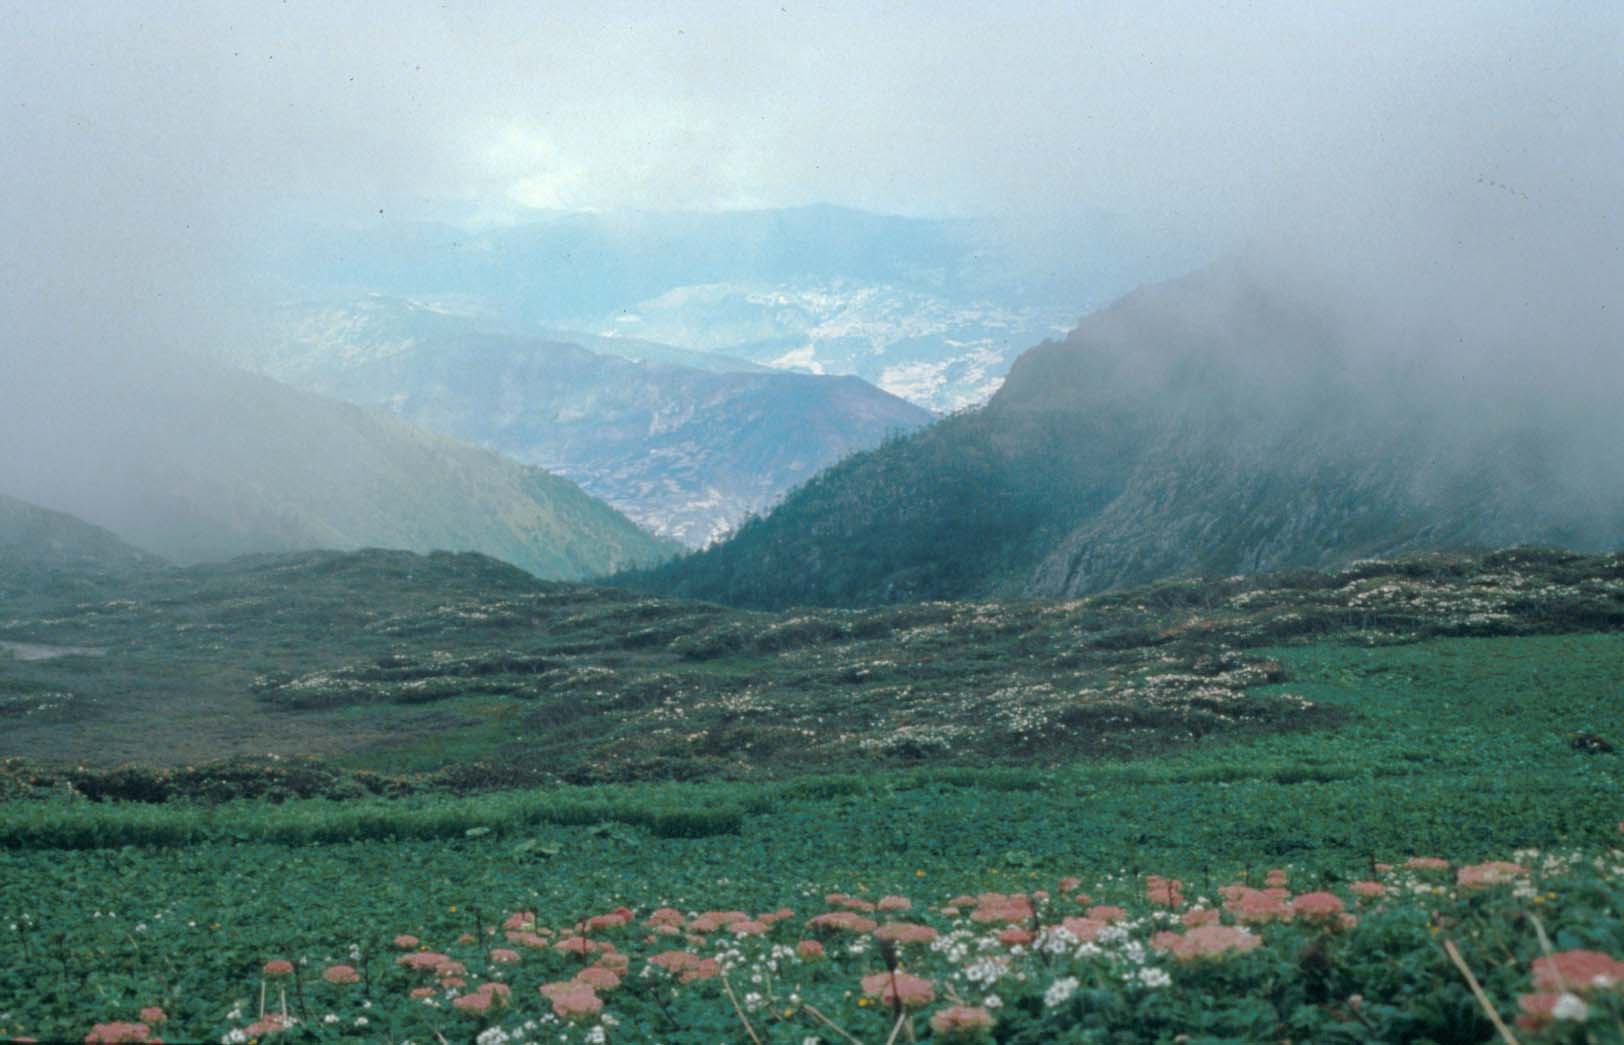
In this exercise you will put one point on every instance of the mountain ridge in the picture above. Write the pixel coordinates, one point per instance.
(198, 461)
(1219, 423)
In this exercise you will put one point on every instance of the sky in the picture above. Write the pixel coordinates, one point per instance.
(1445, 176)
(1202, 113)
(1440, 147)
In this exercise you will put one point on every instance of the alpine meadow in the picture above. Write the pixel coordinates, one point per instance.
(815, 524)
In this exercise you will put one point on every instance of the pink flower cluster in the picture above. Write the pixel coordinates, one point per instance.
(1562, 982)
(106, 1033)
(962, 1024)
(1486, 875)
(892, 988)
(1206, 941)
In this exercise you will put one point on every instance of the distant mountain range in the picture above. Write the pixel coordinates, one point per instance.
(933, 311)
(1222, 423)
(195, 461)
(685, 443)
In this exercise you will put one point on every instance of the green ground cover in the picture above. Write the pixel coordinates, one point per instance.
(1462, 748)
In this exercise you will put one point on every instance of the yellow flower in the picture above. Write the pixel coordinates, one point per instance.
(862, 1003)
(919, 874)
(452, 908)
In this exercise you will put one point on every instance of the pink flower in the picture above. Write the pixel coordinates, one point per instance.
(526, 938)
(153, 1014)
(851, 903)
(993, 908)
(423, 992)
(1085, 929)
(475, 1004)
(598, 978)
(1537, 1010)
(711, 921)
(1206, 941)
(118, 1031)
(278, 967)
(1069, 885)
(1256, 906)
(891, 988)
(686, 965)
(1486, 875)
(577, 945)
(748, 927)
(1319, 908)
(1276, 879)
(905, 932)
(516, 922)
(894, 903)
(1577, 970)
(613, 920)
(1367, 890)
(1107, 914)
(422, 961)
(573, 1001)
(270, 1023)
(503, 956)
(1198, 916)
(1015, 936)
(1427, 863)
(842, 921)
(1167, 892)
(809, 950)
(341, 974)
(961, 1023)
(406, 941)
(666, 916)
(613, 960)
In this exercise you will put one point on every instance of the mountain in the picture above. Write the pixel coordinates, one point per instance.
(31, 534)
(686, 451)
(196, 461)
(1227, 422)
(933, 311)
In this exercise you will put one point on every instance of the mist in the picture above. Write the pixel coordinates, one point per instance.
(1441, 179)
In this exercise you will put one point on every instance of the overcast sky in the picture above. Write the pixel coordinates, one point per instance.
(146, 140)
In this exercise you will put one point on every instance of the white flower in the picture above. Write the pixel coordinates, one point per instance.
(331, 1017)
(235, 1036)
(1060, 992)
(1154, 978)
(360, 1021)
(986, 970)
(1570, 1007)
(991, 1001)
(491, 1036)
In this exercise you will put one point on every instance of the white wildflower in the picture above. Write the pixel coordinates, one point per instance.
(1570, 1007)
(1060, 992)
